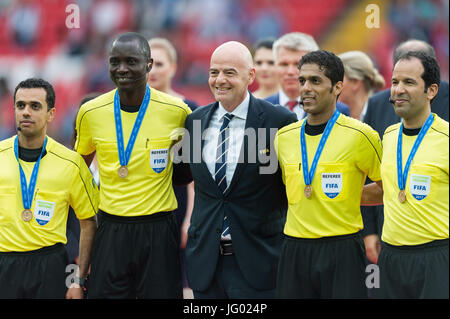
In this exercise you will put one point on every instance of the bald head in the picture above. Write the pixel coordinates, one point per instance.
(236, 51)
(231, 71)
(413, 45)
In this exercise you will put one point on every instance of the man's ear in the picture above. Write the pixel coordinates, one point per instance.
(51, 114)
(338, 87)
(149, 65)
(252, 76)
(432, 91)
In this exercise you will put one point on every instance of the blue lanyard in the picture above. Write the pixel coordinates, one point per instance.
(402, 176)
(308, 177)
(124, 156)
(27, 192)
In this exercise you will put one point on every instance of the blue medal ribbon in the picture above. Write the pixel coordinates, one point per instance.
(403, 175)
(28, 191)
(124, 155)
(308, 177)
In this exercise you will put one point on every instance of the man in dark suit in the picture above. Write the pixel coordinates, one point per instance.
(236, 226)
(288, 51)
(380, 114)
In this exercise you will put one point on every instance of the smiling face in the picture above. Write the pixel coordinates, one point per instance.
(316, 91)
(230, 74)
(128, 65)
(31, 112)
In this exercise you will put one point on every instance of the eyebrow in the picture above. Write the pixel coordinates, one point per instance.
(404, 79)
(32, 101)
(224, 70)
(131, 56)
(311, 77)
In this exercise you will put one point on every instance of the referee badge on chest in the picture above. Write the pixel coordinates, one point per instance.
(159, 159)
(331, 184)
(43, 211)
(419, 186)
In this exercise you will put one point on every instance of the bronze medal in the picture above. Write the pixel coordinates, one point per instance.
(308, 191)
(27, 215)
(402, 196)
(123, 171)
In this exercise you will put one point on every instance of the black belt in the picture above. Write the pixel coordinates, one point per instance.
(134, 219)
(226, 248)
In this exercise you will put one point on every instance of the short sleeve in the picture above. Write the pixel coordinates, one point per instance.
(84, 193)
(370, 153)
(83, 144)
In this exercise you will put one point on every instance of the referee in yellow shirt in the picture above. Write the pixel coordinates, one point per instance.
(39, 179)
(413, 261)
(324, 161)
(131, 129)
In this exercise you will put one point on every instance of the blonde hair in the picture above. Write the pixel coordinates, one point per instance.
(358, 65)
(164, 44)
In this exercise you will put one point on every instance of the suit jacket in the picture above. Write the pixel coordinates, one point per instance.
(380, 115)
(255, 203)
(343, 108)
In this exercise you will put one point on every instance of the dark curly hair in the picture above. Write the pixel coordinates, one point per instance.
(327, 61)
(34, 83)
(431, 70)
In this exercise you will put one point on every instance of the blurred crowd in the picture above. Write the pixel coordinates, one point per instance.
(35, 40)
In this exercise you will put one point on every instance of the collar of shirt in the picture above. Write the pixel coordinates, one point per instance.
(284, 98)
(298, 109)
(237, 129)
(239, 112)
(364, 111)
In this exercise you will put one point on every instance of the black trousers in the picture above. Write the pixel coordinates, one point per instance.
(419, 271)
(329, 267)
(34, 274)
(136, 257)
(229, 283)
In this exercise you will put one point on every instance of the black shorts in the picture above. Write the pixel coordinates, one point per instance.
(328, 267)
(39, 274)
(419, 271)
(136, 257)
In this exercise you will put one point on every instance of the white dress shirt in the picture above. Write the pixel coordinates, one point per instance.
(298, 109)
(236, 130)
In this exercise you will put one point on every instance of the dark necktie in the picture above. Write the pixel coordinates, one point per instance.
(221, 163)
(221, 153)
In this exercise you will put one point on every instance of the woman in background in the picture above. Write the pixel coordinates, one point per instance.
(265, 69)
(164, 68)
(361, 80)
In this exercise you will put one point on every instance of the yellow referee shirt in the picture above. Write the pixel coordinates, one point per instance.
(352, 152)
(148, 187)
(63, 179)
(424, 216)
